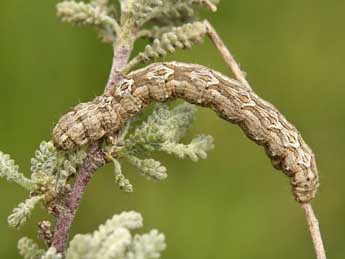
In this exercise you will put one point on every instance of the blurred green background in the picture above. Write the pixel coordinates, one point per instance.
(232, 205)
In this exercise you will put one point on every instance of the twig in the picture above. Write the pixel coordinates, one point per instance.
(116, 26)
(226, 54)
(212, 7)
(94, 160)
(66, 213)
(313, 223)
(314, 229)
(122, 52)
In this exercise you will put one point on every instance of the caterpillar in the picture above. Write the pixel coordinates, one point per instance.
(231, 100)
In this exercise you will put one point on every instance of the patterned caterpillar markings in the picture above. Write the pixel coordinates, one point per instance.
(88, 122)
(161, 82)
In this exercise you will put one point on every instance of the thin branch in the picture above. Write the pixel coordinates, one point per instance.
(116, 26)
(313, 223)
(314, 230)
(94, 160)
(66, 212)
(212, 7)
(122, 52)
(226, 54)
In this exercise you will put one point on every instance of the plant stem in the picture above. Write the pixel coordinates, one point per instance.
(95, 158)
(212, 7)
(122, 51)
(314, 230)
(65, 214)
(313, 223)
(226, 54)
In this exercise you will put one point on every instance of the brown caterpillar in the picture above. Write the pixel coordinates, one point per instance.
(162, 82)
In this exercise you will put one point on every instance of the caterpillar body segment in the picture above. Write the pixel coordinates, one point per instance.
(162, 82)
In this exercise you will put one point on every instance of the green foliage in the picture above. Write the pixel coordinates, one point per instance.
(97, 13)
(120, 179)
(142, 11)
(101, 15)
(52, 168)
(198, 148)
(52, 254)
(162, 131)
(28, 249)
(49, 161)
(135, 13)
(182, 37)
(45, 159)
(21, 213)
(80, 13)
(50, 173)
(150, 168)
(161, 126)
(178, 38)
(113, 240)
(10, 171)
(147, 246)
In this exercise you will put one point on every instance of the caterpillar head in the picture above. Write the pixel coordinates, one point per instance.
(304, 185)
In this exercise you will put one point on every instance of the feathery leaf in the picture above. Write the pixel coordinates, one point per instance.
(81, 13)
(45, 160)
(10, 171)
(198, 148)
(22, 212)
(29, 249)
(150, 168)
(120, 179)
(161, 126)
(183, 37)
(142, 11)
(52, 254)
(113, 240)
(147, 246)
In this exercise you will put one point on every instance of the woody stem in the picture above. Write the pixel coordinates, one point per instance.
(95, 157)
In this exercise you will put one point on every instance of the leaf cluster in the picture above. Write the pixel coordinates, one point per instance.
(162, 131)
(176, 27)
(51, 171)
(112, 240)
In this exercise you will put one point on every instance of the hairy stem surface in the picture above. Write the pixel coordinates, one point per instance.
(66, 213)
(226, 54)
(233, 100)
(95, 158)
(122, 51)
(314, 230)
